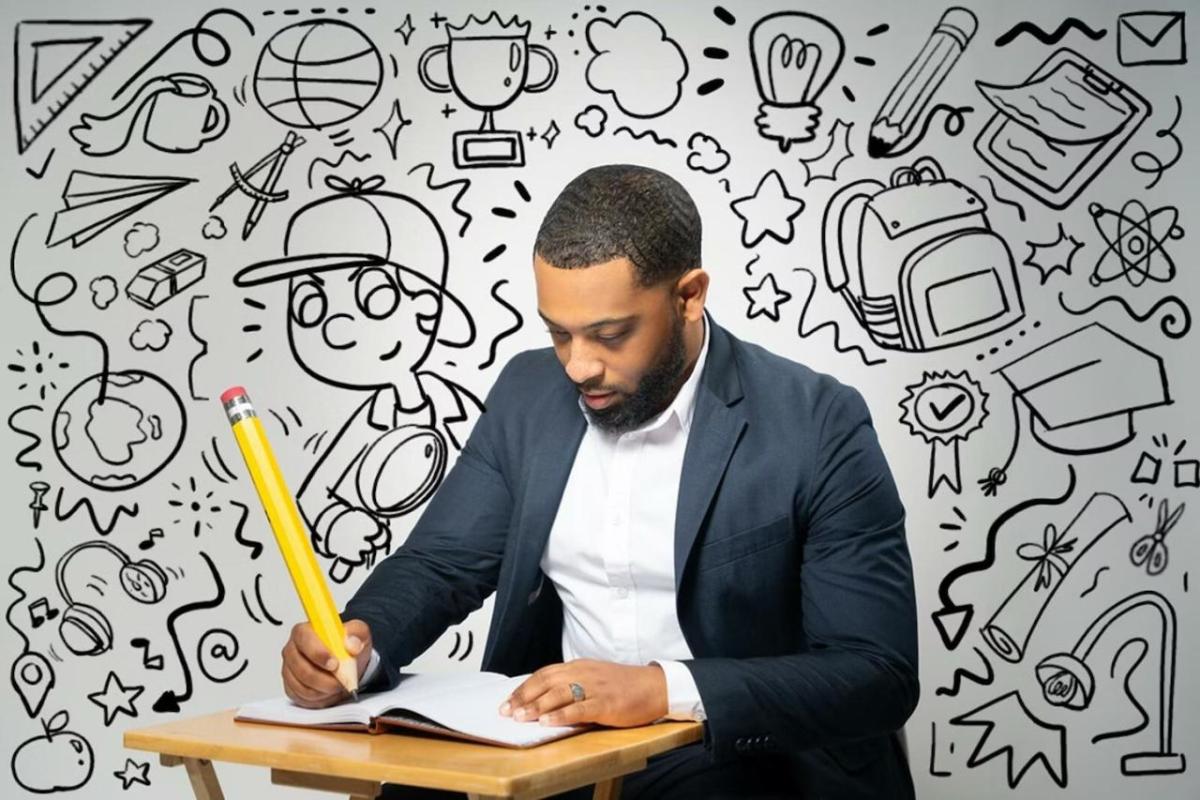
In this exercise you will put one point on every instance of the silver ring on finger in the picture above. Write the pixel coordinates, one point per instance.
(577, 692)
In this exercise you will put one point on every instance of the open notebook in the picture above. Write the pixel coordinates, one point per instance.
(460, 705)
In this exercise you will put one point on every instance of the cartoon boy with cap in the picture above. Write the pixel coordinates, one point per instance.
(366, 317)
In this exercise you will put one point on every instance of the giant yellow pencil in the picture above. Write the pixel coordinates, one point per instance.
(290, 533)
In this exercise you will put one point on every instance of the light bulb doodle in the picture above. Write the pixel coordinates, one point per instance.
(794, 57)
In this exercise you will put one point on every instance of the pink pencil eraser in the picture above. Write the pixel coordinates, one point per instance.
(232, 392)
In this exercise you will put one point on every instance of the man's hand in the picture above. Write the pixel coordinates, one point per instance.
(309, 668)
(619, 695)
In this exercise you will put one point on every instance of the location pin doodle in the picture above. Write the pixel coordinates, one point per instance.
(32, 677)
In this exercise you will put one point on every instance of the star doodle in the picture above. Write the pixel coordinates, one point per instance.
(116, 698)
(406, 28)
(1046, 257)
(134, 772)
(550, 134)
(764, 299)
(391, 127)
(769, 211)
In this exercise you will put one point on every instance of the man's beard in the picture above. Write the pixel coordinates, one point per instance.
(654, 391)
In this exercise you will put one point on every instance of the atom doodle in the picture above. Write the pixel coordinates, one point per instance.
(1136, 239)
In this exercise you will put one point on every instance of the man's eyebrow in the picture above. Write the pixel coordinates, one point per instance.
(591, 325)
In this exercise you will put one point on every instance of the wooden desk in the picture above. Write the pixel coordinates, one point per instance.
(357, 763)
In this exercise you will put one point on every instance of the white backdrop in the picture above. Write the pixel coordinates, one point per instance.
(1024, 350)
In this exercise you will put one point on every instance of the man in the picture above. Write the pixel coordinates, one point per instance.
(677, 524)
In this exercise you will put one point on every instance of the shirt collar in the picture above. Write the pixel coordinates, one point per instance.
(683, 407)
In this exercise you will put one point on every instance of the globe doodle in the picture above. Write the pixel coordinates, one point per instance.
(124, 438)
(317, 73)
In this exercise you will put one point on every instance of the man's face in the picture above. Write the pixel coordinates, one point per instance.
(621, 345)
(357, 327)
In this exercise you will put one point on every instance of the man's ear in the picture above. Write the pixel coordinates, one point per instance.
(691, 290)
(426, 306)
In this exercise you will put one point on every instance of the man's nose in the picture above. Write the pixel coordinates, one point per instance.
(336, 340)
(582, 367)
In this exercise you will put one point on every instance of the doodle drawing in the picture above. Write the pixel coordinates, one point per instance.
(273, 162)
(917, 261)
(770, 211)
(57, 761)
(1151, 37)
(156, 283)
(1012, 731)
(486, 64)
(1052, 134)
(794, 56)
(1150, 550)
(116, 698)
(1136, 243)
(177, 113)
(636, 63)
(944, 408)
(74, 52)
(95, 202)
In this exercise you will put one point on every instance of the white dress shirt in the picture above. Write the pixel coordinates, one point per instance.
(611, 550)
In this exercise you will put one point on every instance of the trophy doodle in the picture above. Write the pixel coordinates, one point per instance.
(487, 67)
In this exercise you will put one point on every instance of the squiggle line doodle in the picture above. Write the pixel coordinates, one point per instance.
(103, 530)
(169, 701)
(1168, 321)
(196, 33)
(256, 548)
(1112, 673)
(1020, 208)
(262, 605)
(652, 134)
(463, 185)
(21, 592)
(334, 164)
(1066, 26)
(837, 331)
(952, 125)
(37, 440)
(516, 326)
(1095, 582)
(962, 674)
(1147, 162)
(203, 346)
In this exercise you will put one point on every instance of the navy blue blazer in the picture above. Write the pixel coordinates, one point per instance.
(793, 581)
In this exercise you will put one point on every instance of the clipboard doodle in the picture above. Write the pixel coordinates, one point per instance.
(1052, 134)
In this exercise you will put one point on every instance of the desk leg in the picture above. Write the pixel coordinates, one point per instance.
(356, 788)
(609, 789)
(201, 773)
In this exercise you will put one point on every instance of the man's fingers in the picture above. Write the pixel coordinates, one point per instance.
(554, 697)
(308, 673)
(573, 714)
(311, 647)
(299, 692)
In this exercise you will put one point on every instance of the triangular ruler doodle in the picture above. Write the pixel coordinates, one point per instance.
(95, 202)
(56, 60)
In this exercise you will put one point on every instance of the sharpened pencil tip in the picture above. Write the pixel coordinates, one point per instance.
(354, 697)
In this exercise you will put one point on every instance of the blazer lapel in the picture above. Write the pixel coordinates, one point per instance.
(717, 426)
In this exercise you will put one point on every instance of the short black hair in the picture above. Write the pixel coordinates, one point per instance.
(623, 211)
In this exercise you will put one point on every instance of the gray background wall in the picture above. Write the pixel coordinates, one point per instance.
(1100, 262)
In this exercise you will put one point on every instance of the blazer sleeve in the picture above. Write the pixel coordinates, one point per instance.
(450, 562)
(858, 675)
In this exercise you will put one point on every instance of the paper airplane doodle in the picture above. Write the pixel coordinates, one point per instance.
(56, 60)
(96, 201)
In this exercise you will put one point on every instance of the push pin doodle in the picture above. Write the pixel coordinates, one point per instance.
(38, 503)
(274, 162)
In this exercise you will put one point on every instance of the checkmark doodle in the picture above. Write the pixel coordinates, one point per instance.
(942, 413)
(944, 408)
(45, 165)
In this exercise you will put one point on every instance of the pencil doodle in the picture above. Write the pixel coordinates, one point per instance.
(463, 185)
(150, 334)
(104, 290)
(389, 129)
(333, 165)
(133, 772)
(170, 701)
(1151, 37)
(141, 238)
(809, 286)
(1136, 243)
(217, 645)
(952, 619)
(1008, 630)
(944, 409)
(592, 120)
(1081, 391)
(636, 63)
(1146, 162)
(654, 137)
(960, 675)
(770, 211)
(485, 63)
(1022, 745)
(84, 502)
(519, 320)
(1006, 201)
(59, 760)
(764, 300)
(1052, 134)
(794, 56)
(22, 459)
(176, 113)
(1174, 324)
(897, 127)
(1069, 682)
(84, 628)
(116, 698)
(94, 202)
(1053, 37)
(74, 52)
(825, 164)
(198, 33)
(919, 274)
(1046, 257)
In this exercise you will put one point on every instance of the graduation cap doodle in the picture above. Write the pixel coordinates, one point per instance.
(1081, 390)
